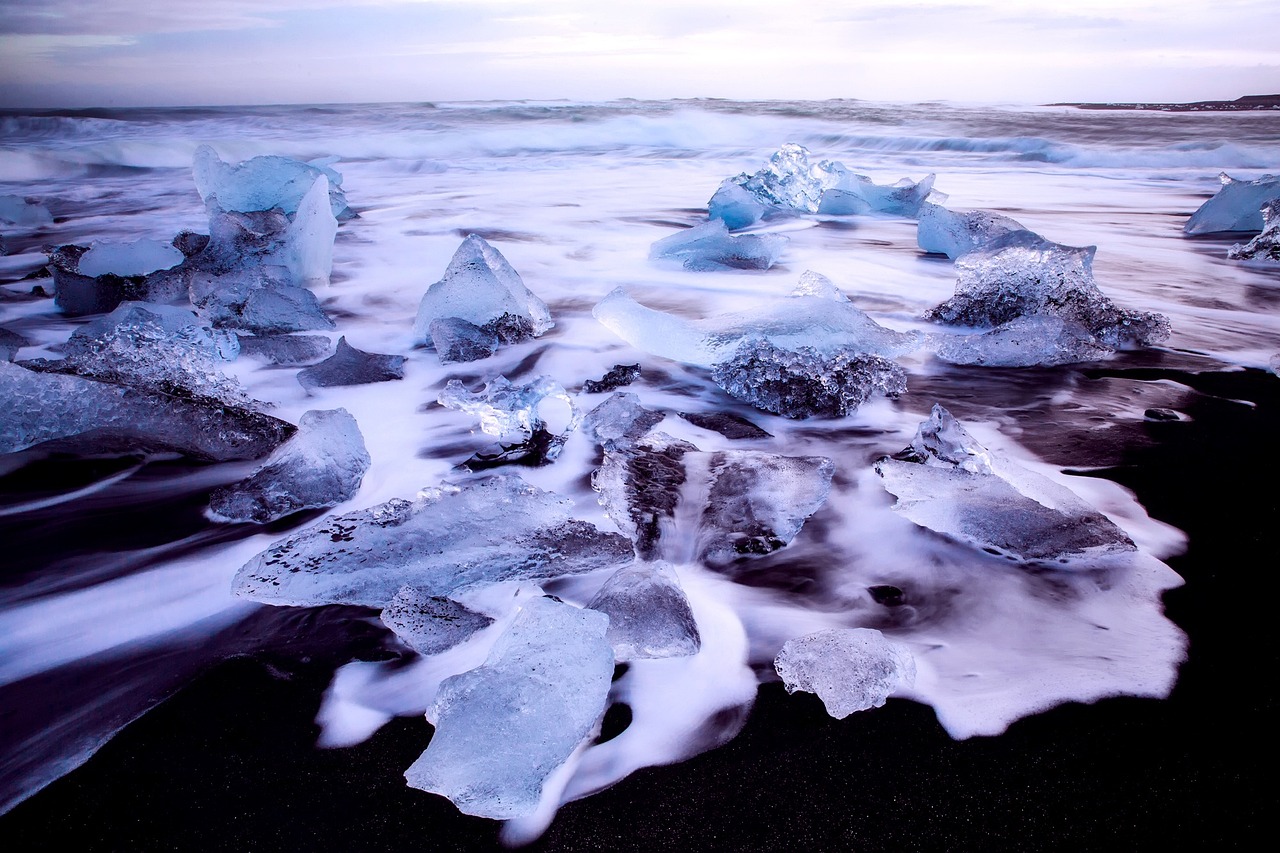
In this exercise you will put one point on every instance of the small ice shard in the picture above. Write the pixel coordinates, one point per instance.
(350, 366)
(649, 614)
(140, 257)
(515, 412)
(1037, 340)
(731, 426)
(286, 350)
(266, 182)
(69, 413)
(954, 233)
(10, 343)
(804, 382)
(947, 482)
(488, 530)
(742, 503)
(619, 420)
(78, 293)
(1022, 274)
(850, 669)
(710, 247)
(430, 624)
(1236, 207)
(479, 286)
(502, 729)
(458, 340)
(23, 212)
(1266, 246)
(618, 376)
(320, 466)
(818, 317)
(258, 299)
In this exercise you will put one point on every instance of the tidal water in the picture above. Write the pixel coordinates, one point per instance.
(115, 593)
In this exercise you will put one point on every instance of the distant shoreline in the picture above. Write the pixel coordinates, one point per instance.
(1248, 102)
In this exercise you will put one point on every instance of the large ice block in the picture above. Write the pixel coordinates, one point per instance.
(709, 247)
(954, 233)
(1235, 207)
(851, 669)
(502, 729)
(77, 293)
(1042, 340)
(266, 182)
(321, 465)
(649, 614)
(493, 529)
(130, 258)
(258, 299)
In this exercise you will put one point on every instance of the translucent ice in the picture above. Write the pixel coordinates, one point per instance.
(286, 350)
(321, 465)
(851, 669)
(479, 286)
(502, 729)
(852, 193)
(309, 240)
(649, 614)
(77, 293)
(263, 183)
(140, 257)
(430, 624)
(710, 246)
(949, 483)
(350, 366)
(620, 420)
(74, 414)
(16, 210)
(457, 340)
(515, 412)
(258, 299)
(1035, 340)
(1266, 246)
(1236, 207)
(953, 233)
(488, 530)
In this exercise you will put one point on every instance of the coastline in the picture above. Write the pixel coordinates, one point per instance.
(1246, 103)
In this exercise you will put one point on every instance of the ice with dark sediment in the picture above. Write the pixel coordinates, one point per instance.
(731, 426)
(78, 293)
(137, 257)
(502, 729)
(286, 350)
(1237, 206)
(1266, 246)
(350, 366)
(10, 343)
(1021, 275)
(266, 182)
(733, 503)
(458, 340)
(430, 624)
(954, 233)
(620, 419)
(649, 613)
(618, 376)
(710, 247)
(515, 412)
(482, 531)
(74, 414)
(481, 287)
(850, 669)
(320, 466)
(949, 483)
(789, 183)
(258, 299)
(23, 212)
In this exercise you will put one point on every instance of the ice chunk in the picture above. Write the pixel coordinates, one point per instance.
(350, 366)
(515, 412)
(728, 424)
(493, 529)
(73, 414)
(667, 495)
(1266, 246)
(1236, 207)
(805, 382)
(649, 614)
(140, 257)
(852, 193)
(735, 205)
(619, 420)
(10, 343)
(710, 246)
(309, 240)
(949, 483)
(458, 340)
(258, 299)
(322, 465)
(430, 624)
(1022, 274)
(851, 669)
(826, 323)
(16, 210)
(479, 286)
(1035, 340)
(502, 729)
(77, 294)
(286, 350)
(263, 183)
(618, 376)
(953, 233)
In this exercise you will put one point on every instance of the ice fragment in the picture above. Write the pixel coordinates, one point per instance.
(851, 669)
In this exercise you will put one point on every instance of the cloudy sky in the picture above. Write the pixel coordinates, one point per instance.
(96, 53)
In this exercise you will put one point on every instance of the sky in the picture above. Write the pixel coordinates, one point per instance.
(119, 53)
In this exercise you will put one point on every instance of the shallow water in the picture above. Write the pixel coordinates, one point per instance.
(116, 576)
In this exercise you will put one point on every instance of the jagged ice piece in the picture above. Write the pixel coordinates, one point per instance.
(1266, 246)
(850, 669)
(1036, 340)
(350, 366)
(515, 412)
(77, 294)
(710, 247)
(954, 233)
(430, 624)
(649, 614)
(1235, 207)
(266, 182)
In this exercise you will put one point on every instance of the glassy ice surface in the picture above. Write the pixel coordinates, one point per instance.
(263, 183)
(1038, 340)
(16, 210)
(710, 246)
(77, 294)
(258, 299)
(954, 233)
(850, 669)
(286, 350)
(948, 483)
(430, 624)
(483, 531)
(1235, 207)
(620, 420)
(350, 366)
(515, 412)
(458, 340)
(321, 465)
(137, 257)
(502, 729)
(1266, 246)
(479, 286)
(649, 614)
